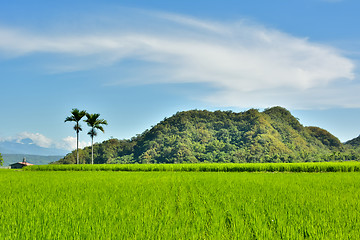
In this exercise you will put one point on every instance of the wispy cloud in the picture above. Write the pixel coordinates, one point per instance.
(249, 65)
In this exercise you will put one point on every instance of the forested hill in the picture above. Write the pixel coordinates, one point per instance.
(354, 142)
(273, 135)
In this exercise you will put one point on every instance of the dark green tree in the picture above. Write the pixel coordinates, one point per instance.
(76, 116)
(1, 160)
(94, 122)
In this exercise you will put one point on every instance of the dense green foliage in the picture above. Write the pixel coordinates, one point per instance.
(1, 160)
(273, 135)
(178, 205)
(210, 167)
(354, 142)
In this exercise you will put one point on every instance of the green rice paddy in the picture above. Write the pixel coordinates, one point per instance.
(179, 205)
(350, 166)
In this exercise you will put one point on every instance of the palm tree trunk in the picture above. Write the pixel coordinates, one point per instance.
(92, 150)
(77, 147)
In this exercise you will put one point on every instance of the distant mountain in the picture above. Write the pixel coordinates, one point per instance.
(273, 135)
(34, 159)
(26, 146)
(354, 142)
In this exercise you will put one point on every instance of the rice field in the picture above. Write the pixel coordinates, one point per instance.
(179, 205)
(349, 166)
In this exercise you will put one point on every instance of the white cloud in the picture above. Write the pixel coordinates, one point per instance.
(36, 138)
(67, 143)
(249, 65)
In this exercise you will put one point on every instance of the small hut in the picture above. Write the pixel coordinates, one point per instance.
(20, 164)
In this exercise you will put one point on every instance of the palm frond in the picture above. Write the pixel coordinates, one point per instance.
(100, 128)
(92, 133)
(70, 119)
(77, 128)
(76, 115)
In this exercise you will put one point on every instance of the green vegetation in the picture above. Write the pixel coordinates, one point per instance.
(354, 142)
(210, 167)
(273, 135)
(179, 205)
(1, 160)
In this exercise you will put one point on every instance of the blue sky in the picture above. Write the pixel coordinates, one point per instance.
(136, 62)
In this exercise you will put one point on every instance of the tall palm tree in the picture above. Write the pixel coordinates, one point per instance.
(76, 116)
(94, 122)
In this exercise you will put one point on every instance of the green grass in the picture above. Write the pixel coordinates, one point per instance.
(210, 167)
(178, 205)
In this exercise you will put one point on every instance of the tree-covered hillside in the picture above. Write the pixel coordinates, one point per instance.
(273, 135)
(354, 142)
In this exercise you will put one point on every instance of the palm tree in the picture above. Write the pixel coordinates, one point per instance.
(94, 122)
(76, 116)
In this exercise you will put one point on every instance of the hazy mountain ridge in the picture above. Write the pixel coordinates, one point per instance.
(28, 147)
(34, 159)
(273, 135)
